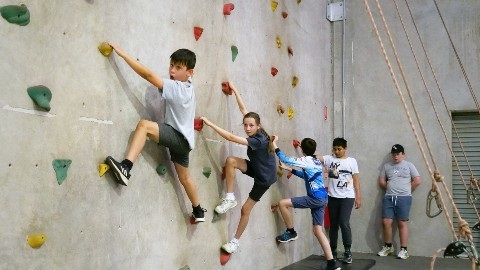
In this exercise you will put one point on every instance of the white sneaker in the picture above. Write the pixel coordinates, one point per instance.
(385, 251)
(403, 254)
(225, 205)
(231, 247)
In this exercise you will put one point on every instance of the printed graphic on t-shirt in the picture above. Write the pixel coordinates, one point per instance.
(343, 176)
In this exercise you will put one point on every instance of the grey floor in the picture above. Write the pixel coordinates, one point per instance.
(365, 261)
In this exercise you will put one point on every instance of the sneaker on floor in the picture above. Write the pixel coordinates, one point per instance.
(385, 251)
(122, 174)
(347, 257)
(225, 205)
(403, 254)
(231, 247)
(333, 267)
(199, 215)
(287, 237)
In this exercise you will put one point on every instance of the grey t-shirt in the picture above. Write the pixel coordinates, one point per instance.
(180, 107)
(399, 177)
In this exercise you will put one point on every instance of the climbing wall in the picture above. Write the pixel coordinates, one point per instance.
(64, 107)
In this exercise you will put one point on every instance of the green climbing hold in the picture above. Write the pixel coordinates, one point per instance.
(61, 166)
(18, 15)
(186, 267)
(216, 217)
(161, 169)
(207, 171)
(234, 52)
(41, 95)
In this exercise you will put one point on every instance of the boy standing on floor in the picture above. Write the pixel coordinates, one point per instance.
(176, 133)
(311, 171)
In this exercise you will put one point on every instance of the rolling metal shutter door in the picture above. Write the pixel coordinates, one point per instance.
(468, 130)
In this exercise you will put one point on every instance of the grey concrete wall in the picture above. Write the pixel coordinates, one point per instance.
(92, 223)
(375, 115)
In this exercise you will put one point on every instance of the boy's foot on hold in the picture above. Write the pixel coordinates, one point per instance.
(225, 205)
(199, 215)
(231, 247)
(122, 174)
(287, 237)
(385, 251)
(403, 254)
(347, 257)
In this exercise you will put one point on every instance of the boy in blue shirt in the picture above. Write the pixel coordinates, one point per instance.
(311, 171)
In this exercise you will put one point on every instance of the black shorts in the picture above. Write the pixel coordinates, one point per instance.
(175, 142)
(257, 190)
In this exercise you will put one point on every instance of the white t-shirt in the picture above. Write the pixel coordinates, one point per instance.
(340, 176)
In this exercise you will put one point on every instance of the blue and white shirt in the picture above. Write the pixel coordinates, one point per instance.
(311, 173)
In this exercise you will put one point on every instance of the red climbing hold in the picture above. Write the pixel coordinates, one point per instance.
(284, 14)
(226, 88)
(197, 124)
(197, 31)
(289, 175)
(224, 257)
(295, 143)
(274, 71)
(227, 8)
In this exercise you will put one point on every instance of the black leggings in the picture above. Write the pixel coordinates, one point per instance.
(339, 211)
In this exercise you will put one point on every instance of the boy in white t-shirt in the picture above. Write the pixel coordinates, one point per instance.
(343, 193)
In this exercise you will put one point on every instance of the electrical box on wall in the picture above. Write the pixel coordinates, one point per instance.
(335, 11)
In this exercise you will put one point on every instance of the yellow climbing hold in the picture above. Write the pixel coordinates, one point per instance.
(274, 5)
(298, 1)
(294, 81)
(102, 169)
(36, 240)
(105, 49)
(279, 42)
(290, 113)
(279, 172)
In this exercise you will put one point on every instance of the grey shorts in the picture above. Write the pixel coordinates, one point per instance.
(317, 207)
(396, 207)
(176, 143)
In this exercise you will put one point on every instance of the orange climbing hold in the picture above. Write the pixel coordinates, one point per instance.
(227, 8)
(274, 71)
(226, 88)
(198, 124)
(280, 109)
(284, 15)
(197, 32)
(224, 257)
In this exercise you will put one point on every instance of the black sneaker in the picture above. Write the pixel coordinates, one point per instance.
(347, 257)
(122, 174)
(333, 266)
(199, 215)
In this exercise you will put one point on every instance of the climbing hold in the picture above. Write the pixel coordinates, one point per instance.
(186, 267)
(41, 95)
(102, 169)
(61, 166)
(295, 143)
(290, 113)
(227, 8)
(280, 109)
(284, 15)
(197, 32)
(161, 169)
(216, 216)
(279, 172)
(224, 257)
(226, 88)
(279, 42)
(105, 49)
(18, 15)
(234, 52)
(298, 1)
(274, 71)
(197, 124)
(274, 5)
(36, 240)
(290, 51)
(207, 171)
(294, 81)
(289, 175)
